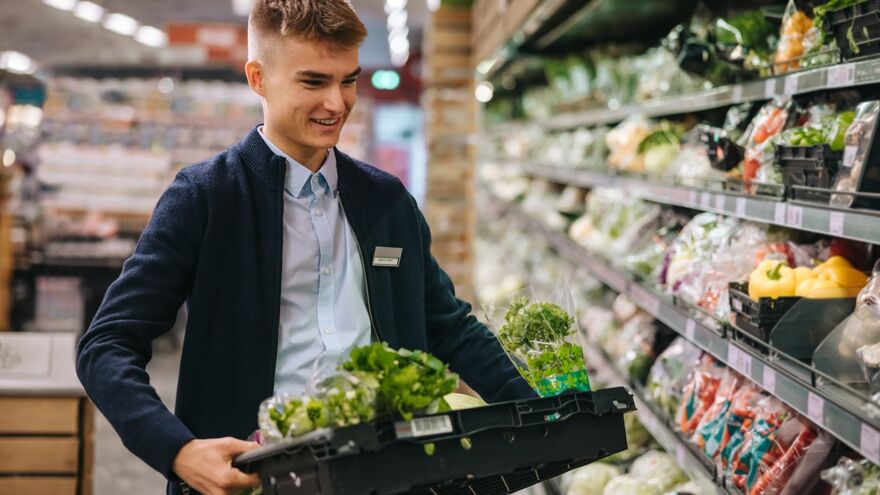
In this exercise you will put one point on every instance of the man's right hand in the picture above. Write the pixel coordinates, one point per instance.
(206, 465)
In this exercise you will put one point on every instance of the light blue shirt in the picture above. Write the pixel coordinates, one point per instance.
(323, 290)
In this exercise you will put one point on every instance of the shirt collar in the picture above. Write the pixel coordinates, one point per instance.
(298, 176)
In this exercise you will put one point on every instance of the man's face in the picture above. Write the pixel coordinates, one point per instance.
(309, 90)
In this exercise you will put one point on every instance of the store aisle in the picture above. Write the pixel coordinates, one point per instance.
(116, 469)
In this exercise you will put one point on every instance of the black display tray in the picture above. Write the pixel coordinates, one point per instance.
(856, 28)
(809, 166)
(499, 448)
(757, 317)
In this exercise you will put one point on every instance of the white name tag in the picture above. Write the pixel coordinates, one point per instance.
(387, 256)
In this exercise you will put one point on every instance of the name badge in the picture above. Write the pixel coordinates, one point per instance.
(387, 256)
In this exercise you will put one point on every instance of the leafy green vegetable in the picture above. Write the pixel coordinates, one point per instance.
(820, 13)
(751, 30)
(662, 137)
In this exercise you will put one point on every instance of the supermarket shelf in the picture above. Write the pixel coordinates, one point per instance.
(850, 224)
(807, 81)
(659, 426)
(855, 423)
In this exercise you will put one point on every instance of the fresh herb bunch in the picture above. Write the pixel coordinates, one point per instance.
(568, 358)
(409, 381)
(527, 326)
(375, 381)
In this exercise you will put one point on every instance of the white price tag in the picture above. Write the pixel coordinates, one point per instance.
(869, 443)
(706, 200)
(719, 202)
(794, 217)
(421, 427)
(835, 222)
(689, 328)
(791, 84)
(733, 356)
(692, 198)
(769, 88)
(737, 93)
(849, 156)
(779, 213)
(769, 379)
(741, 207)
(841, 75)
(745, 364)
(816, 409)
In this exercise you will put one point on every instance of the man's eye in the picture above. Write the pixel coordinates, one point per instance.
(311, 82)
(349, 82)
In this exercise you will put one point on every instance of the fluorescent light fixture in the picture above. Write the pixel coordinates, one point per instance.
(88, 11)
(121, 24)
(398, 45)
(16, 62)
(399, 59)
(395, 4)
(397, 19)
(150, 36)
(433, 5)
(484, 92)
(67, 5)
(242, 7)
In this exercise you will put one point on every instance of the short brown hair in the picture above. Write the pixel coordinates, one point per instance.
(330, 21)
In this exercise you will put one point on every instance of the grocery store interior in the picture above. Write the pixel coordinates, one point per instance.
(695, 182)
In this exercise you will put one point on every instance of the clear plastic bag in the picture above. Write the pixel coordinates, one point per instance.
(793, 39)
(711, 427)
(541, 338)
(851, 477)
(699, 393)
(669, 374)
(857, 146)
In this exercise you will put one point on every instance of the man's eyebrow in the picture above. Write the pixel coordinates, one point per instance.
(310, 74)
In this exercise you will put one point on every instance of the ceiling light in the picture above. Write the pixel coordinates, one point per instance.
(484, 92)
(8, 158)
(399, 59)
(385, 79)
(16, 62)
(242, 7)
(398, 45)
(61, 4)
(121, 24)
(398, 33)
(397, 19)
(88, 11)
(395, 4)
(433, 5)
(150, 36)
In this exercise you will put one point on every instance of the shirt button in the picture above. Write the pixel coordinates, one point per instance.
(328, 330)
(319, 212)
(326, 270)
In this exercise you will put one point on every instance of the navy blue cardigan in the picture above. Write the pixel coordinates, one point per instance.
(215, 241)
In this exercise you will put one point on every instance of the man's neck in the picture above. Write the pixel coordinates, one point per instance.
(310, 158)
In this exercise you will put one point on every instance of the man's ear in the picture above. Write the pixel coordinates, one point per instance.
(256, 76)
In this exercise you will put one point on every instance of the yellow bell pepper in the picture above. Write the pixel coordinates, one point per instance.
(845, 276)
(802, 273)
(828, 289)
(834, 261)
(772, 278)
(804, 288)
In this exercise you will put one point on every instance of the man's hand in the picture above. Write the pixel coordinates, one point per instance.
(206, 465)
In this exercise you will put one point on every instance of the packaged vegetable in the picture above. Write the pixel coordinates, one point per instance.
(541, 340)
(709, 432)
(857, 147)
(759, 165)
(637, 440)
(699, 393)
(851, 477)
(790, 444)
(757, 446)
(590, 479)
(629, 485)
(657, 469)
(669, 374)
(793, 39)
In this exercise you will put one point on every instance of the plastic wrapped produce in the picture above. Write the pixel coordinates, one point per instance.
(699, 393)
(711, 425)
(759, 165)
(851, 477)
(669, 373)
(658, 469)
(796, 37)
(637, 440)
(623, 144)
(759, 446)
(857, 146)
(726, 419)
(629, 485)
(688, 488)
(589, 480)
(541, 339)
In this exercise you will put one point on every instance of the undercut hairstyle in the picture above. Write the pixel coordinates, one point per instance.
(331, 21)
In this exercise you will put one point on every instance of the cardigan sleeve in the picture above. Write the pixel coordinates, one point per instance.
(138, 307)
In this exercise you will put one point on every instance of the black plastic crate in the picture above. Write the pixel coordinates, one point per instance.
(809, 166)
(757, 317)
(500, 448)
(857, 24)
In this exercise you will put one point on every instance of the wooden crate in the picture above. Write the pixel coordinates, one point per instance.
(46, 445)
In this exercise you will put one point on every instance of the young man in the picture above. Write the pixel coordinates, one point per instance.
(275, 246)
